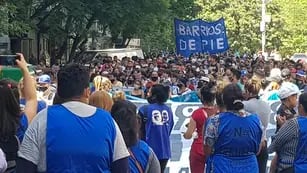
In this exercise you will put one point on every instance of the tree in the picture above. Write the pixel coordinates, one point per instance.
(159, 34)
(243, 22)
(13, 21)
(294, 40)
(73, 19)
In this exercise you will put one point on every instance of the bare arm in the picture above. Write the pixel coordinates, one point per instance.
(190, 130)
(29, 89)
(143, 94)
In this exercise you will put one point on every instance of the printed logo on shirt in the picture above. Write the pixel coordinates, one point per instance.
(159, 118)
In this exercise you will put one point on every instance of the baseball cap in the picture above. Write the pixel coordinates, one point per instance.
(203, 78)
(285, 73)
(44, 79)
(243, 73)
(300, 73)
(287, 89)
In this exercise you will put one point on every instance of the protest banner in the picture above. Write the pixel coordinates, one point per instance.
(182, 111)
(199, 36)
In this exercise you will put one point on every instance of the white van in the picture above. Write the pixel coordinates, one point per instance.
(91, 55)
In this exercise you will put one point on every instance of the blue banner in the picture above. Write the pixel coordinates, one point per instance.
(199, 36)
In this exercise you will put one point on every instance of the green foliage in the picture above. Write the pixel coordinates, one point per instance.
(152, 21)
(243, 22)
(159, 32)
(294, 40)
(13, 20)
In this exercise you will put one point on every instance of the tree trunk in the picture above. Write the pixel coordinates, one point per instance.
(64, 45)
(74, 47)
(80, 38)
(62, 50)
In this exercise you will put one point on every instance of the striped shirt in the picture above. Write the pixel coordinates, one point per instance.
(285, 143)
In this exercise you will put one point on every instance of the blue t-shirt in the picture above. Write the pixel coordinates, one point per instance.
(40, 104)
(79, 144)
(235, 141)
(159, 125)
(23, 127)
(139, 153)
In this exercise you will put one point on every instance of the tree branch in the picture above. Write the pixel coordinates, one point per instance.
(47, 15)
(42, 8)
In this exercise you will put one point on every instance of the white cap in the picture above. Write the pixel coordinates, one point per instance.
(288, 89)
(206, 79)
(275, 75)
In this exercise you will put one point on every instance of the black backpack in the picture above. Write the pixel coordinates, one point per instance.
(10, 147)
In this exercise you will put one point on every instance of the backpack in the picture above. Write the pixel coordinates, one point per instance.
(10, 147)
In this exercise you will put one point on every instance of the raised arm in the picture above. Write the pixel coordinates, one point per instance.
(29, 89)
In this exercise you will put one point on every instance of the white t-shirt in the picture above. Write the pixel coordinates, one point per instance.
(262, 109)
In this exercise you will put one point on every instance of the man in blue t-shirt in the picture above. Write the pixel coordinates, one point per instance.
(73, 136)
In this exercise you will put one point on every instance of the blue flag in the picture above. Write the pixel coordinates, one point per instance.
(199, 36)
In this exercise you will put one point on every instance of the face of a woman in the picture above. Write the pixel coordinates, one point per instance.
(301, 109)
(292, 101)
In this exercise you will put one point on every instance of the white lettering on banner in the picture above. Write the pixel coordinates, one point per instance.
(179, 162)
(219, 29)
(188, 31)
(192, 45)
(202, 30)
(181, 30)
(204, 44)
(195, 30)
(220, 43)
(183, 45)
(213, 43)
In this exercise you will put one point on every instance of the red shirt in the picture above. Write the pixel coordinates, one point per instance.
(191, 87)
(200, 117)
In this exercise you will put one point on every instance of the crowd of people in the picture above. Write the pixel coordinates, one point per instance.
(78, 119)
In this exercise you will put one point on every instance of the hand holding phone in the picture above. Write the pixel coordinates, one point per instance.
(21, 62)
(9, 60)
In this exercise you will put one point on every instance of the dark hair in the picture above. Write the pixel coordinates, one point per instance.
(159, 94)
(236, 73)
(13, 86)
(183, 81)
(72, 80)
(9, 111)
(303, 101)
(232, 97)
(208, 93)
(124, 113)
(219, 100)
(93, 75)
(57, 99)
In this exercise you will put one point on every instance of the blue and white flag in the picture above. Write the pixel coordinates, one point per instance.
(199, 36)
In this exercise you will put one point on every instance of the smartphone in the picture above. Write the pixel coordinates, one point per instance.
(8, 60)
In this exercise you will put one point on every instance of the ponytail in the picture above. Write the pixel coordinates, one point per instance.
(238, 105)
